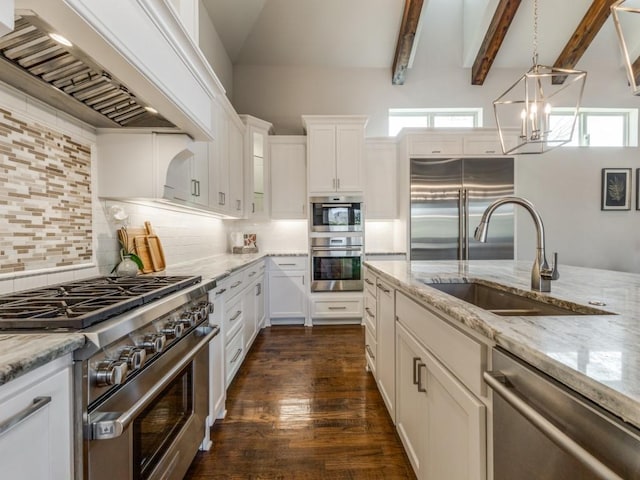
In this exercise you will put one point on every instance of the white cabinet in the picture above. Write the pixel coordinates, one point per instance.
(288, 290)
(386, 340)
(335, 151)
(370, 321)
(447, 142)
(334, 308)
(256, 166)
(288, 176)
(253, 302)
(217, 379)
(441, 423)
(380, 189)
(235, 204)
(39, 445)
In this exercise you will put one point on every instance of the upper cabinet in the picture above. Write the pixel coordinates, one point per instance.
(288, 174)
(335, 151)
(448, 142)
(256, 166)
(380, 189)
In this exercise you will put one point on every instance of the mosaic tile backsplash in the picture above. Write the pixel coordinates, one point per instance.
(45, 197)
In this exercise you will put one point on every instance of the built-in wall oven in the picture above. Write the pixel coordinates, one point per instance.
(336, 263)
(336, 214)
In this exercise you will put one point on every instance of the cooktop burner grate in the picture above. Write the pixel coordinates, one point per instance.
(77, 305)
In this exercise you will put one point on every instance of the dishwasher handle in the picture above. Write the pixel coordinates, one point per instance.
(499, 383)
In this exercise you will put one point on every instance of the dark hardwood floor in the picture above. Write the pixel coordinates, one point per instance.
(303, 407)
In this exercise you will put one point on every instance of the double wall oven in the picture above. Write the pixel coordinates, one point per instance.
(141, 380)
(336, 244)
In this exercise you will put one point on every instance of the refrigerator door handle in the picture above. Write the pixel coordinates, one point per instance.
(466, 223)
(461, 222)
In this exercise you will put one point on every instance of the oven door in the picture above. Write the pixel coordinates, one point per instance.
(335, 216)
(152, 427)
(336, 270)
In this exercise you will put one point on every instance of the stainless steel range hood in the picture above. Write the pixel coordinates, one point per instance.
(67, 79)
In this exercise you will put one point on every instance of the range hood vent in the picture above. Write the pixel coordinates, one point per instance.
(67, 79)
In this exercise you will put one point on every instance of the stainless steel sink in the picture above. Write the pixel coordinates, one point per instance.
(508, 304)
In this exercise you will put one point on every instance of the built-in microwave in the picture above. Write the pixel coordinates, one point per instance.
(336, 214)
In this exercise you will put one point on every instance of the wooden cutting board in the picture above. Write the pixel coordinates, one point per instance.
(130, 234)
(155, 249)
(141, 243)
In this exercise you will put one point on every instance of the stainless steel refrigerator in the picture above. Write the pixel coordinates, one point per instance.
(448, 197)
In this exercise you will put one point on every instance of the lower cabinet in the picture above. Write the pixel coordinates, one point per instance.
(39, 405)
(441, 424)
(386, 350)
(288, 290)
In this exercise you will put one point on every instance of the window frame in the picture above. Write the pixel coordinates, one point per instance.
(630, 121)
(431, 113)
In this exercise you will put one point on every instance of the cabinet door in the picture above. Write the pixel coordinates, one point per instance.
(288, 179)
(219, 188)
(349, 158)
(249, 316)
(411, 412)
(260, 306)
(38, 446)
(235, 204)
(322, 158)
(380, 189)
(287, 297)
(200, 174)
(386, 339)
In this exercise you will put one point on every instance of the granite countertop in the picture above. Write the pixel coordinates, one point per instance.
(219, 266)
(595, 355)
(23, 352)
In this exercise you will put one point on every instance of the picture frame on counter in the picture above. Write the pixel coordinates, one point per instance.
(616, 189)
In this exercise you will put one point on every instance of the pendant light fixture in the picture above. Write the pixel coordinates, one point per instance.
(626, 18)
(523, 112)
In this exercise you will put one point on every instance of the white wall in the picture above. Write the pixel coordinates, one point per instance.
(214, 51)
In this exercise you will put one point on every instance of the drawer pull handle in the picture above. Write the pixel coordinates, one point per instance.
(252, 274)
(373, 357)
(369, 312)
(338, 308)
(236, 284)
(420, 387)
(383, 288)
(221, 291)
(235, 357)
(415, 370)
(25, 413)
(369, 282)
(237, 314)
(286, 264)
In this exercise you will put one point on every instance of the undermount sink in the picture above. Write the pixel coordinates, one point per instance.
(508, 304)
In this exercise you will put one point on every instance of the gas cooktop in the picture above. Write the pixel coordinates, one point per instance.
(77, 305)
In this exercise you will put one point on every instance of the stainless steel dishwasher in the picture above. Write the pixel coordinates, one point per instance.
(543, 430)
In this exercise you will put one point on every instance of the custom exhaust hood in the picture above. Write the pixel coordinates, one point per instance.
(67, 79)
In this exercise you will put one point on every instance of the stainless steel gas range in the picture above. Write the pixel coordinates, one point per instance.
(141, 380)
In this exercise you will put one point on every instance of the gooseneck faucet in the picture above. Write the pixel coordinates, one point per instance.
(541, 274)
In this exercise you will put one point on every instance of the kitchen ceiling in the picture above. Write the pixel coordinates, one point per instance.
(363, 33)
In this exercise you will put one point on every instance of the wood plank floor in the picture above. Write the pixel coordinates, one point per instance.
(302, 407)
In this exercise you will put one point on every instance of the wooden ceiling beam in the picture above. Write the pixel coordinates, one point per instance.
(584, 34)
(500, 23)
(406, 36)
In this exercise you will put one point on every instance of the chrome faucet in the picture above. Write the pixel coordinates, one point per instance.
(541, 274)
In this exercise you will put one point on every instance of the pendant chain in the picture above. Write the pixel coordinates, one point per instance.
(535, 32)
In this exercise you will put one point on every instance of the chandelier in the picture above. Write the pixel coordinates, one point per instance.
(628, 30)
(523, 112)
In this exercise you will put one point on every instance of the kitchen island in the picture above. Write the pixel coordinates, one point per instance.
(595, 355)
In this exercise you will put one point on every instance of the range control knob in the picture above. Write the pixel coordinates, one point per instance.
(110, 372)
(134, 357)
(188, 319)
(195, 313)
(173, 329)
(154, 342)
(206, 308)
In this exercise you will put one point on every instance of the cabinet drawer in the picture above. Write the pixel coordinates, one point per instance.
(235, 284)
(232, 318)
(464, 356)
(337, 308)
(252, 272)
(234, 353)
(221, 291)
(370, 312)
(288, 263)
(370, 351)
(435, 145)
(370, 282)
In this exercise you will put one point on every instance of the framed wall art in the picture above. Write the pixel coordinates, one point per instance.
(616, 189)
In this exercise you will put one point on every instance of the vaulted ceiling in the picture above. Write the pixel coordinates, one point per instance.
(397, 34)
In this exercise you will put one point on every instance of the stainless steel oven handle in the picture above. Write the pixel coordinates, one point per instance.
(113, 427)
(336, 249)
(498, 383)
(23, 414)
(340, 205)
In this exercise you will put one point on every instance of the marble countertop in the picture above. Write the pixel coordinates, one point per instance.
(596, 355)
(23, 352)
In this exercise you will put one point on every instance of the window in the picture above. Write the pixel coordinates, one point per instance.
(599, 127)
(400, 118)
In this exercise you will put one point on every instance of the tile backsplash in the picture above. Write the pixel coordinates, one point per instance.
(45, 196)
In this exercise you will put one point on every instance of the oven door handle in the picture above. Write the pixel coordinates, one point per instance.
(109, 425)
(499, 383)
(336, 249)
